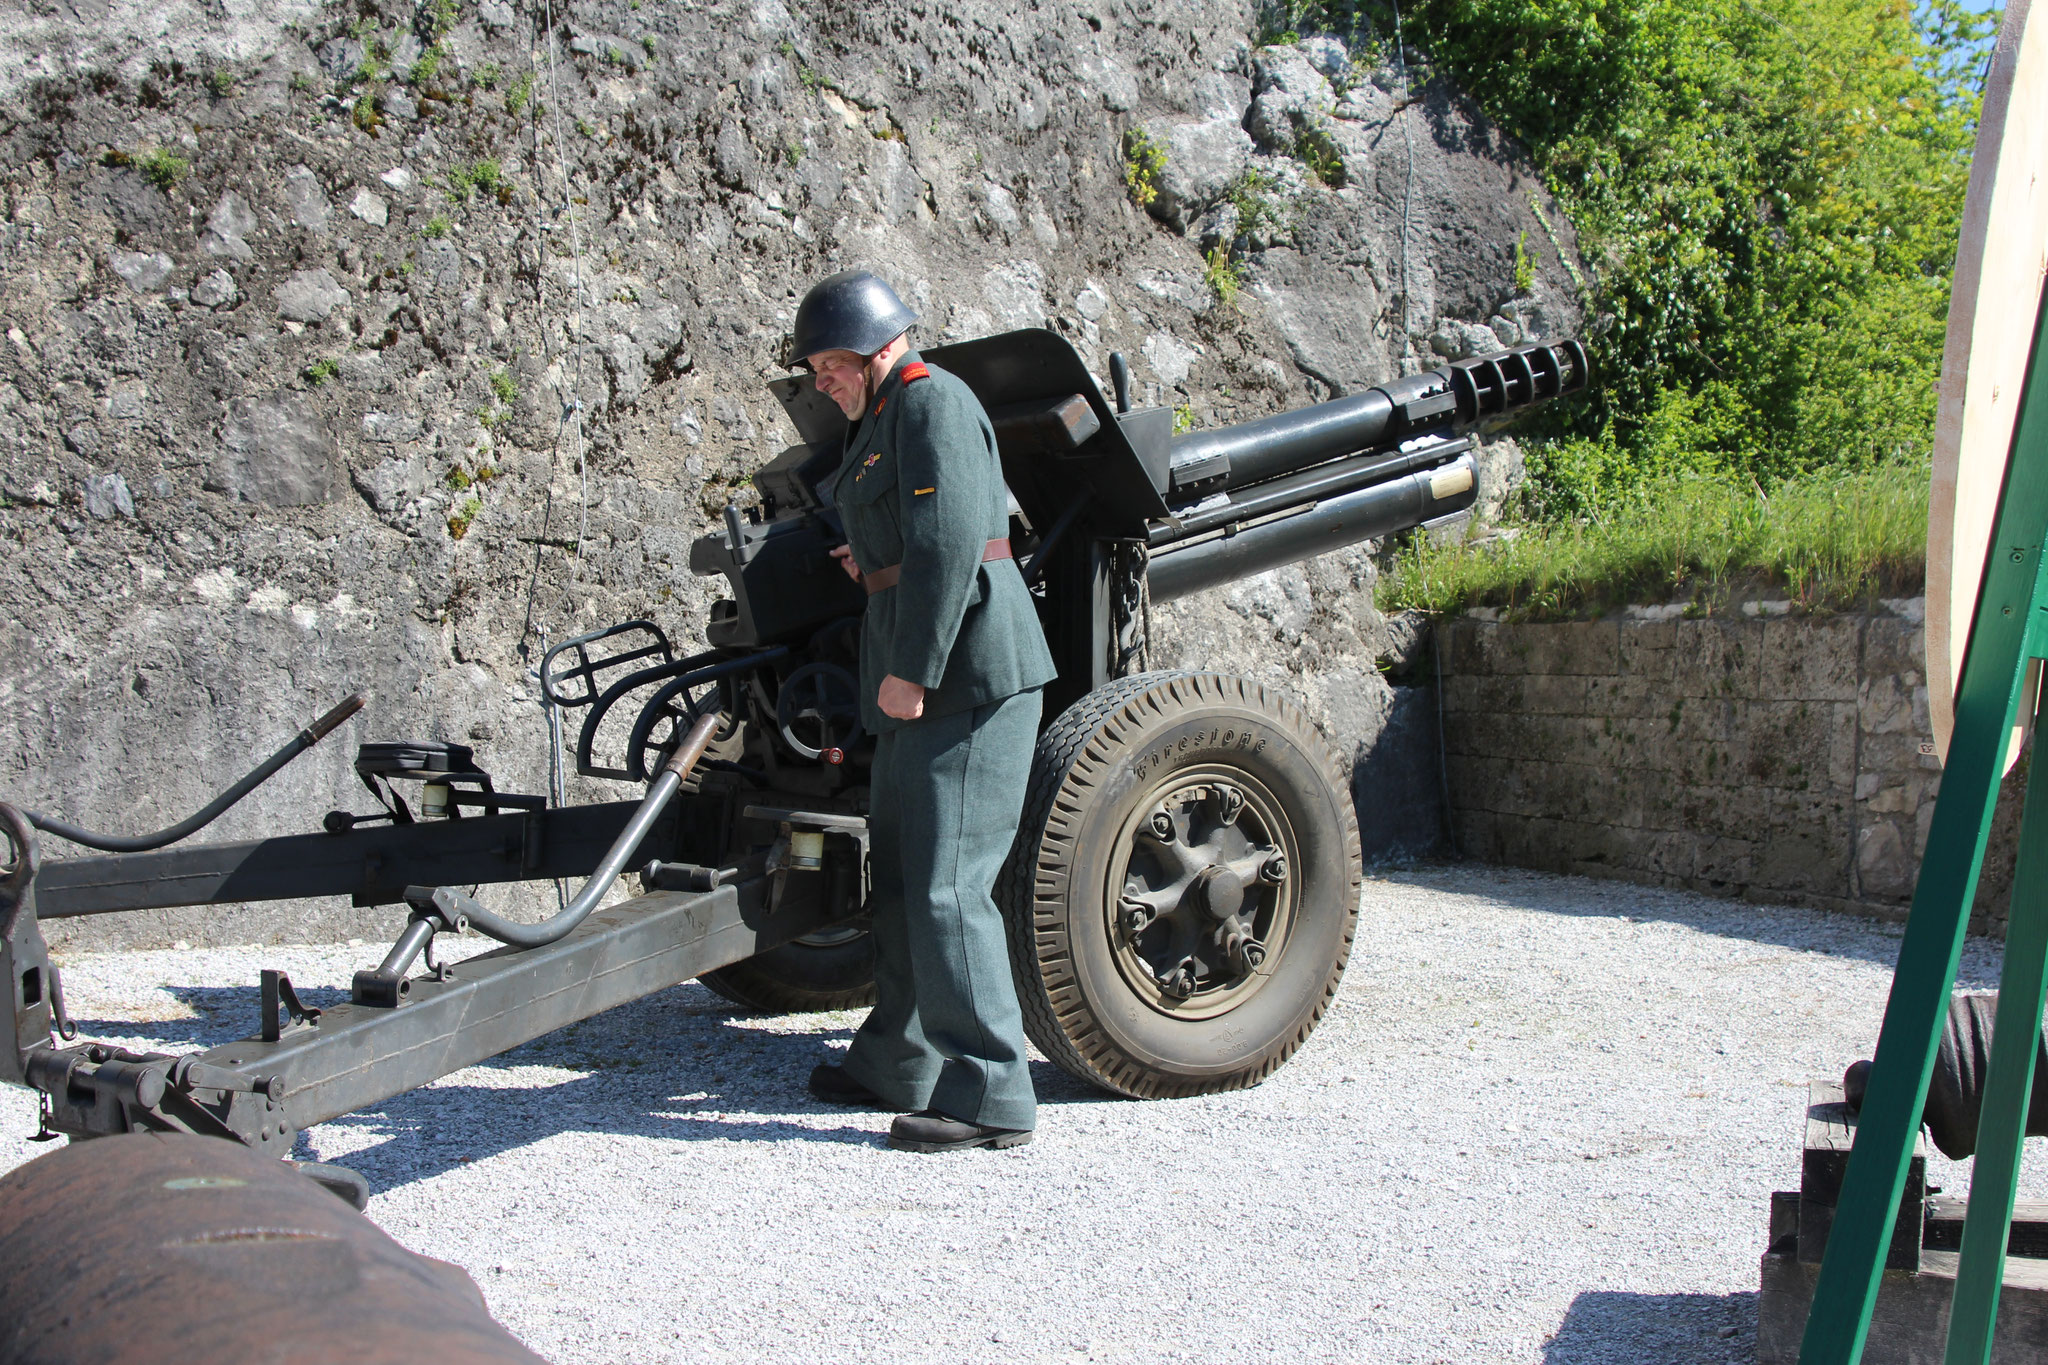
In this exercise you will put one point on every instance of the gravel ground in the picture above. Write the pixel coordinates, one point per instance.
(1541, 1123)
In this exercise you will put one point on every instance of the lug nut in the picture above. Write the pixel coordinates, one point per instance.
(1274, 870)
(1162, 827)
(1253, 953)
(1137, 916)
(1229, 803)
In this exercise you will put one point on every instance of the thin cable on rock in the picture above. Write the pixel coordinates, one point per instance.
(1408, 193)
(573, 407)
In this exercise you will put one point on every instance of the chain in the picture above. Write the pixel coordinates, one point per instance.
(44, 1133)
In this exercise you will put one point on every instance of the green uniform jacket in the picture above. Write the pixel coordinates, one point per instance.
(921, 486)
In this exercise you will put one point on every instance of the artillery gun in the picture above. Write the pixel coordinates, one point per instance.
(1182, 894)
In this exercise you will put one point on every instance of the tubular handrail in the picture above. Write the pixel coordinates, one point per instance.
(212, 810)
(452, 908)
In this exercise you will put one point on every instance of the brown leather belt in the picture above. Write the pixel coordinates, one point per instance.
(886, 577)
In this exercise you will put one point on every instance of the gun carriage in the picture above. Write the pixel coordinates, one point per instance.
(1181, 897)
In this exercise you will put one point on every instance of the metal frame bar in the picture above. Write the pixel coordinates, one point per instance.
(356, 1055)
(373, 864)
(2008, 632)
(263, 1090)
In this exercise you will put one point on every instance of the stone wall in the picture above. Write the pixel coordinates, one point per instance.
(376, 345)
(1774, 757)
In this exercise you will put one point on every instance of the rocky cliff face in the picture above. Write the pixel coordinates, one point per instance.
(374, 347)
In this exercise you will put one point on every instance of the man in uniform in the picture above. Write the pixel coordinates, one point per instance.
(951, 663)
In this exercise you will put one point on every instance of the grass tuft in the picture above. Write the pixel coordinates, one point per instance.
(1825, 541)
(520, 96)
(160, 166)
(459, 522)
(478, 177)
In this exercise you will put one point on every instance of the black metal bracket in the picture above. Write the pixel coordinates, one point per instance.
(277, 992)
(26, 975)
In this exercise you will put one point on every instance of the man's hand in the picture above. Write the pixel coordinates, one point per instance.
(900, 699)
(844, 554)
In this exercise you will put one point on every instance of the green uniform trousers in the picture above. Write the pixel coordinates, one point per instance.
(946, 1032)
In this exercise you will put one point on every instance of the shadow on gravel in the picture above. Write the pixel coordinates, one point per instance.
(1800, 928)
(1605, 1327)
(681, 1065)
(220, 1014)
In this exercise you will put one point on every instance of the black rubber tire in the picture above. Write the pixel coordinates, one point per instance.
(801, 978)
(1115, 748)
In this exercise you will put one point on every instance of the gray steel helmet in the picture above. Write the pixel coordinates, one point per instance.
(854, 310)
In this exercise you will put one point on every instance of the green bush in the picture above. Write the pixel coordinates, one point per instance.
(1767, 193)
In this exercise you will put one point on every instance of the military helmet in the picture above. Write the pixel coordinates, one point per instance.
(855, 310)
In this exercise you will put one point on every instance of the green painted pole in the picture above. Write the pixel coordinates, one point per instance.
(1987, 700)
(2022, 994)
(2001, 1124)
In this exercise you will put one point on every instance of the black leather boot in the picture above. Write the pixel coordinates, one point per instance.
(931, 1131)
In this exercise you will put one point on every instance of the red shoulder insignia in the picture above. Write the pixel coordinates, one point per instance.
(915, 371)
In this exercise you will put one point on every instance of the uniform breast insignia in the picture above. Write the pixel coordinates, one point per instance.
(865, 466)
(920, 492)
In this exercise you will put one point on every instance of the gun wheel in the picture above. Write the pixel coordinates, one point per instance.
(1184, 890)
(833, 969)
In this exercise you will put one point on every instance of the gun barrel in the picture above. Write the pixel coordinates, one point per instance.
(1286, 443)
(1289, 441)
(1314, 484)
(1377, 509)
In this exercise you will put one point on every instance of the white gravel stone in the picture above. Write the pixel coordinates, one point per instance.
(216, 290)
(231, 221)
(370, 208)
(306, 200)
(145, 271)
(107, 497)
(1541, 1122)
(310, 295)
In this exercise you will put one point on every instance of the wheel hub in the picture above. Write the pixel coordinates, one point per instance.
(1204, 894)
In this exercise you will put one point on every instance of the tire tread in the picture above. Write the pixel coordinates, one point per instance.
(1072, 753)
